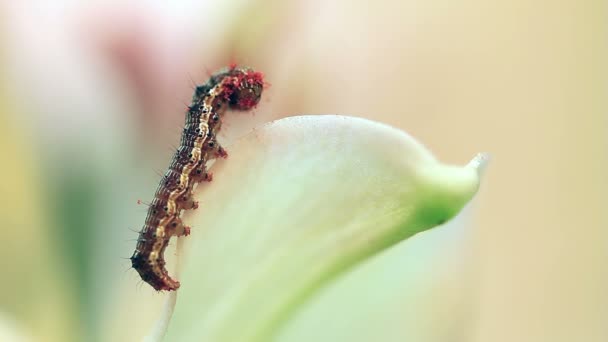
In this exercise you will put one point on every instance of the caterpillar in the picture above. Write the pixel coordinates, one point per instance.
(235, 88)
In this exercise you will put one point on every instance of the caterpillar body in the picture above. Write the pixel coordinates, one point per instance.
(235, 88)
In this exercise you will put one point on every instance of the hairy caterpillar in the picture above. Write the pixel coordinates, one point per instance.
(235, 87)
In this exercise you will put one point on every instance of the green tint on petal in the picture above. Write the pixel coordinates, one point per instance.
(298, 202)
(421, 289)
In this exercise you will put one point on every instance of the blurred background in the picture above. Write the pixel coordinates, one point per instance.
(92, 97)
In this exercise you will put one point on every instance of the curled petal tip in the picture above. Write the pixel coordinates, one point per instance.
(480, 162)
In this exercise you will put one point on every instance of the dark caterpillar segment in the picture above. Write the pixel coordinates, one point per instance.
(153, 272)
(193, 133)
(182, 157)
(237, 88)
(156, 212)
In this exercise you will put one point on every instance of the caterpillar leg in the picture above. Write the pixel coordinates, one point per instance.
(185, 232)
(187, 202)
(200, 174)
(221, 152)
(208, 177)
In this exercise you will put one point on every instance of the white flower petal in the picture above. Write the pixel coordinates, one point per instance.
(297, 203)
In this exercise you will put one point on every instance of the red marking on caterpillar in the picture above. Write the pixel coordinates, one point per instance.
(234, 87)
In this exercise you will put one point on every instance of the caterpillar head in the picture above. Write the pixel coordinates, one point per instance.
(247, 89)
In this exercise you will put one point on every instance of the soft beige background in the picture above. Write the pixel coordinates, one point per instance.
(523, 80)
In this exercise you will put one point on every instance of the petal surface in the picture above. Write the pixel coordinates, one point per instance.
(299, 202)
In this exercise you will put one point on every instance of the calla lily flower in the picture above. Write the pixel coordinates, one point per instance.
(301, 204)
